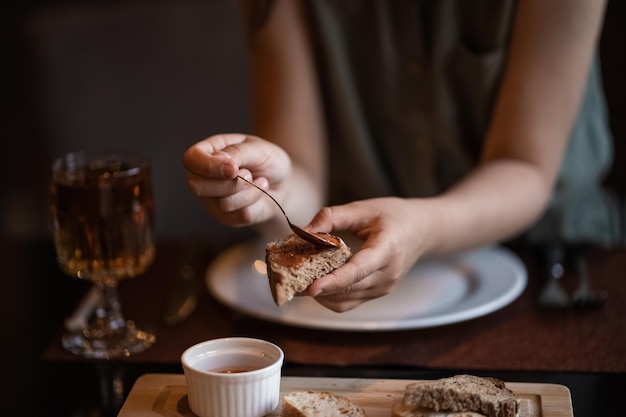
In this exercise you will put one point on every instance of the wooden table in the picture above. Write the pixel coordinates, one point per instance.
(583, 349)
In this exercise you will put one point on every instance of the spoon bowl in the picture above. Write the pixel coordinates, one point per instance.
(322, 239)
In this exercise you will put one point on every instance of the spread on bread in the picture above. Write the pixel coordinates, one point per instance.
(293, 264)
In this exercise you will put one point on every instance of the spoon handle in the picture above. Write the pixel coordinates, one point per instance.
(308, 236)
(267, 194)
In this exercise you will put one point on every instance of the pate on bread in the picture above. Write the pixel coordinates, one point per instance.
(293, 264)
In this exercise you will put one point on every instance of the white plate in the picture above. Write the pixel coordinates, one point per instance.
(435, 292)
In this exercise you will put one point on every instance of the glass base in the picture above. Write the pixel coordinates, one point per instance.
(93, 343)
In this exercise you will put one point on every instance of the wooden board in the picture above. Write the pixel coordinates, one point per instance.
(166, 395)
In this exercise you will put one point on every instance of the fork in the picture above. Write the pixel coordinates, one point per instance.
(552, 295)
(584, 296)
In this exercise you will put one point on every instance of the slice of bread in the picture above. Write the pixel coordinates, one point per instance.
(319, 404)
(293, 264)
(460, 393)
(398, 410)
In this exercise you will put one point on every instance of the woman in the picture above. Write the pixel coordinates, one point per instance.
(431, 126)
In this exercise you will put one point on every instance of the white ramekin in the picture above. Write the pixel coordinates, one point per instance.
(253, 393)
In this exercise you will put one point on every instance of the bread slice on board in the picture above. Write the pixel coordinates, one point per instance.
(460, 393)
(399, 411)
(319, 404)
(293, 264)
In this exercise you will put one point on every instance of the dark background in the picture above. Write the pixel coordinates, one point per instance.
(150, 75)
(156, 76)
(153, 76)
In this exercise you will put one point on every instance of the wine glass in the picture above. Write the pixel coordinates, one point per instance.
(102, 209)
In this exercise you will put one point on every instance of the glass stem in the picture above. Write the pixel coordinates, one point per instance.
(109, 312)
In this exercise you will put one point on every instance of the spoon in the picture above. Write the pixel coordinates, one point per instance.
(316, 238)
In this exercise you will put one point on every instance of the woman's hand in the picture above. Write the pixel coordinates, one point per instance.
(213, 165)
(393, 232)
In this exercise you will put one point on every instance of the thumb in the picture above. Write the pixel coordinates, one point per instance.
(323, 221)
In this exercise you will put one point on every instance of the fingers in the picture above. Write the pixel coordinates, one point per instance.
(366, 276)
(211, 157)
(348, 298)
(235, 210)
(384, 257)
(213, 165)
(232, 202)
(343, 217)
(351, 275)
(222, 156)
(204, 187)
(322, 221)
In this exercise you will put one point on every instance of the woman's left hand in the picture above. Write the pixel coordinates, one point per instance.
(390, 231)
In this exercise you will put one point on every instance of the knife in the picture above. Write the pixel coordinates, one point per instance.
(84, 310)
(183, 297)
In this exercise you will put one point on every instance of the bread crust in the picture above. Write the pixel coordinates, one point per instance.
(293, 264)
(398, 410)
(460, 393)
(308, 403)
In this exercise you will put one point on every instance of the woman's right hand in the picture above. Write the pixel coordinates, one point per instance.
(213, 165)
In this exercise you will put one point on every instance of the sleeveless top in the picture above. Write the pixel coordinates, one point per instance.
(408, 87)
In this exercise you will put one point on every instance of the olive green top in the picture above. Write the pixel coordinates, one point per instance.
(408, 89)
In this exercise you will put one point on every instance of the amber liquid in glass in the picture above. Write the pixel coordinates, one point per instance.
(104, 223)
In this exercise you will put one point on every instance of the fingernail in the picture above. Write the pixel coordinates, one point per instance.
(228, 170)
(263, 183)
(319, 291)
